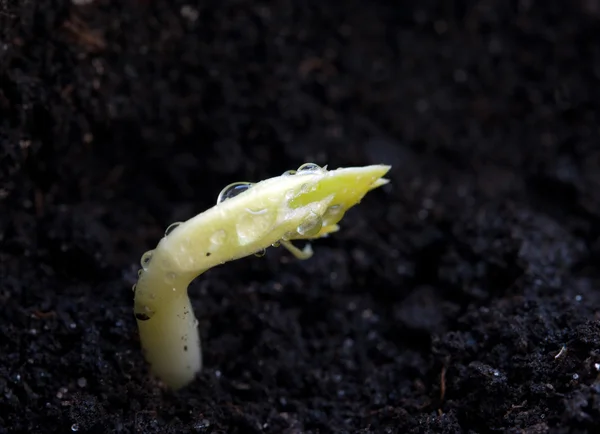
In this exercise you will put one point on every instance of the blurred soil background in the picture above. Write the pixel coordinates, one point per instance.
(462, 298)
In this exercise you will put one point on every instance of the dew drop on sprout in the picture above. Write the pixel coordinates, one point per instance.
(146, 258)
(133, 287)
(311, 226)
(171, 228)
(260, 253)
(307, 168)
(232, 190)
(218, 237)
(332, 212)
(145, 315)
(289, 173)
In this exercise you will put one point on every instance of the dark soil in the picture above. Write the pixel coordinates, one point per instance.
(462, 298)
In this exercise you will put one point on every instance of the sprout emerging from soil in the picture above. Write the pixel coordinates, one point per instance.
(248, 218)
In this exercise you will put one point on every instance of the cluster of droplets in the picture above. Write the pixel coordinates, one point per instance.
(147, 257)
(145, 263)
(310, 227)
(314, 223)
(237, 188)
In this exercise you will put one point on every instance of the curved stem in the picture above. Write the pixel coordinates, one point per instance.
(305, 205)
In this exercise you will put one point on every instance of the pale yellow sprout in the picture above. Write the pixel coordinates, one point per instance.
(248, 218)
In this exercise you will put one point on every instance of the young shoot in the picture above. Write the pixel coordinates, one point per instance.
(248, 218)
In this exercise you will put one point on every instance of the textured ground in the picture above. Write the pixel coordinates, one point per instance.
(462, 298)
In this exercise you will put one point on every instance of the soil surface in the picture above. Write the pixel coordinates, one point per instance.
(461, 298)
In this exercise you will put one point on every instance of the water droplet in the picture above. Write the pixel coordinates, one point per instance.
(253, 227)
(311, 226)
(260, 253)
(145, 314)
(308, 168)
(276, 244)
(171, 228)
(146, 258)
(288, 173)
(218, 237)
(74, 427)
(333, 213)
(232, 190)
(140, 272)
(133, 287)
(170, 277)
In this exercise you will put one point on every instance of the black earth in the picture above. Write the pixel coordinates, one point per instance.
(461, 298)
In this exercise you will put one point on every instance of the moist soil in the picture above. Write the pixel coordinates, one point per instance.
(461, 298)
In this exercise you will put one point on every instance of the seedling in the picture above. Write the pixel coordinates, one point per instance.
(248, 218)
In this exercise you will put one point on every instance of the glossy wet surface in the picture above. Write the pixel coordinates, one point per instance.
(462, 297)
